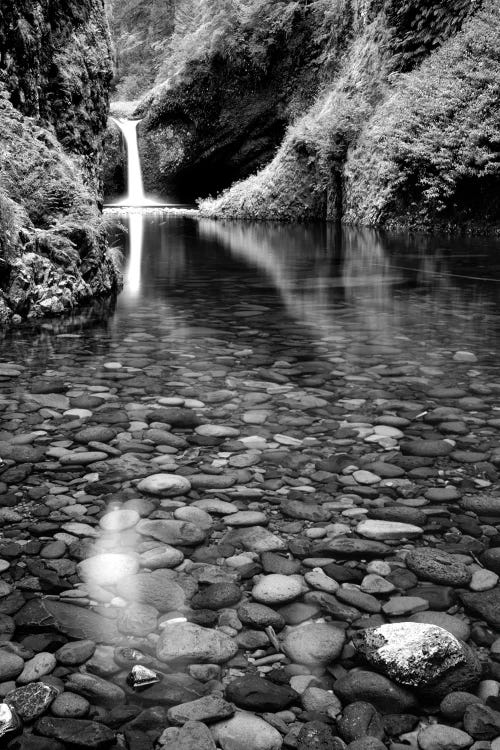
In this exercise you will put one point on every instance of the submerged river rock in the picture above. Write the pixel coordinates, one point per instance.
(287, 528)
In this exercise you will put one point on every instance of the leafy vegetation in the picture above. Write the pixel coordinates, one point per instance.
(141, 33)
(431, 151)
(404, 134)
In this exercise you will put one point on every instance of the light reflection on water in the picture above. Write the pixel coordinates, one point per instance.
(269, 282)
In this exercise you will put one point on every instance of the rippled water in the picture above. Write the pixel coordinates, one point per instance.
(356, 297)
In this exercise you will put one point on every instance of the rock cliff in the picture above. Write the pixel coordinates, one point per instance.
(378, 112)
(55, 72)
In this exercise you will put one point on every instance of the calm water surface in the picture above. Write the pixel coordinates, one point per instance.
(226, 297)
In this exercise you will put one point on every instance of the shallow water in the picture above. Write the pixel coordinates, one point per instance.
(313, 361)
(358, 297)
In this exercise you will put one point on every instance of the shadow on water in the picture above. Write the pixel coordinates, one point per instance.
(284, 290)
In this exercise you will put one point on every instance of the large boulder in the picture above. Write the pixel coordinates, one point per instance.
(420, 656)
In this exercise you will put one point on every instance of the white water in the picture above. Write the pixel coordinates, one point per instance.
(135, 186)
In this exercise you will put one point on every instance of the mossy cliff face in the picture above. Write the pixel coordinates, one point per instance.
(55, 71)
(379, 112)
(230, 91)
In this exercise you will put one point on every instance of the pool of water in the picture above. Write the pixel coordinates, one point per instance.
(354, 297)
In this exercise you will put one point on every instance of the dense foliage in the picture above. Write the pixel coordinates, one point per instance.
(381, 146)
(141, 33)
(432, 149)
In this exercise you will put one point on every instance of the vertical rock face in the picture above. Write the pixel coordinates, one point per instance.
(55, 72)
(56, 65)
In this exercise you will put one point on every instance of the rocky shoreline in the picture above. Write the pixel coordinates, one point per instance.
(248, 565)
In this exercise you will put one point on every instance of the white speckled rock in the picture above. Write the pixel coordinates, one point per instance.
(443, 737)
(108, 568)
(314, 643)
(190, 643)
(382, 530)
(244, 731)
(421, 656)
(164, 485)
(277, 589)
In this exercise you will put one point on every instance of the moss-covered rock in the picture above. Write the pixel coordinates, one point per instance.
(55, 71)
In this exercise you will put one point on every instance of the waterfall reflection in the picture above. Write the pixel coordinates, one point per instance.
(133, 269)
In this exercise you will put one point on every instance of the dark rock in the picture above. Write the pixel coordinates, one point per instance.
(260, 616)
(360, 719)
(217, 596)
(348, 547)
(272, 562)
(385, 695)
(257, 694)
(484, 604)
(440, 598)
(454, 705)
(481, 722)
(76, 734)
(397, 724)
(316, 735)
(174, 689)
(75, 622)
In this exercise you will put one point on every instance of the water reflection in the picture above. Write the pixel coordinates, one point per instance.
(285, 291)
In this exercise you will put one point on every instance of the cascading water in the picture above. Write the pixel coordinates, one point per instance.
(135, 186)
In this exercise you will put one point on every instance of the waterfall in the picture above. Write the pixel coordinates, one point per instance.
(135, 186)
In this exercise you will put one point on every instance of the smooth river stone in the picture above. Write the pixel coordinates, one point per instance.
(215, 506)
(73, 621)
(421, 656)
(172, 532)
(426, 448)
(217, 431)
(193, 644)
(387, 696)
(382, 530)
(314, 644)
(40, 665)
(161, 557)
(484, 604)
(482, 505)
(347, 547)
(76, 733)
(119, 520)
(156, 588)
(108, 568)
(443, 737)
(208, 709)
(245, 731)
(82, 458)
(255, 539)
(164, 485)
(245, 518)
(277, 589)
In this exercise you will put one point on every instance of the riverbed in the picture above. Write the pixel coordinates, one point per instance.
(271, 414)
